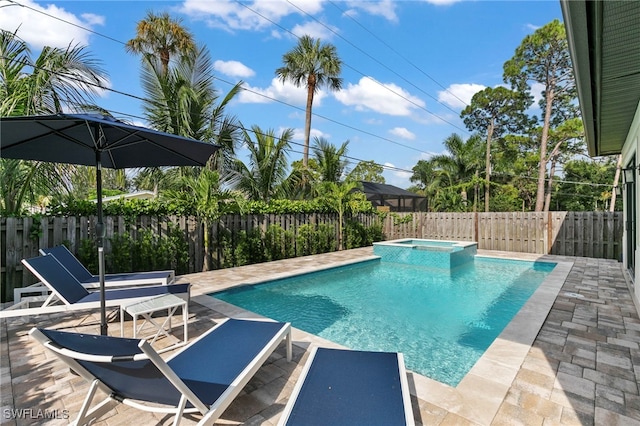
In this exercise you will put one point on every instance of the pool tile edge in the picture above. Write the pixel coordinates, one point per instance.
(490, 378)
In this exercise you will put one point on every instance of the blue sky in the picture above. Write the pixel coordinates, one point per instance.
(409, 67)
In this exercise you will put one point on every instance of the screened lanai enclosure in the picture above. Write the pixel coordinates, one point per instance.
(391, 198)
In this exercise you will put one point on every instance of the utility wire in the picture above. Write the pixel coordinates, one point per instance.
(354, 69)
(333, 3)
(242, 127)
(376, 60)
(65, 21)
(243, 88)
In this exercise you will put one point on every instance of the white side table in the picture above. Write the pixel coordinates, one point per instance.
(146, 308)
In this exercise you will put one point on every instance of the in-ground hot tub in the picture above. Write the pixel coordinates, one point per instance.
(432, 253)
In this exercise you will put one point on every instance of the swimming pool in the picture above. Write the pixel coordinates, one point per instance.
(441, 322)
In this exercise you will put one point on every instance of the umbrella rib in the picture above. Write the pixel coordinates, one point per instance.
(144, 138)
(58, 132)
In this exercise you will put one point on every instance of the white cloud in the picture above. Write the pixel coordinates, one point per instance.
(396, 177)
(285, 92)
(385, 98)
(257, 15)
(315, 29)
(403, 133)
(298, 135)
(536, 92)
(442, 2)
(459, 95)
(384, 8)
(373, 121)
(40, 30)
(234, 69)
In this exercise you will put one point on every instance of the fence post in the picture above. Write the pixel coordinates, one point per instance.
(475, 227)
(549, 234)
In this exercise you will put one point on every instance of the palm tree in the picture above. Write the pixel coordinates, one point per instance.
(184, 102)
(330, 159)
(265, 176)
(159, 37)
(57, 78)
(205, 194)
(313, 65)
(337, 196)
(462, 164)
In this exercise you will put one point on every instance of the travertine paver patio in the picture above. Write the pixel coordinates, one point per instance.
(582, 367)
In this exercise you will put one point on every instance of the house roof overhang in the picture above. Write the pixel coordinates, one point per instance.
(604, 41)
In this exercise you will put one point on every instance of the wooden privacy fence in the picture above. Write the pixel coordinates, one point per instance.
(588, 234)
(585, 234)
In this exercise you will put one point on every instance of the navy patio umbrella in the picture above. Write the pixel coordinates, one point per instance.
(100, 141)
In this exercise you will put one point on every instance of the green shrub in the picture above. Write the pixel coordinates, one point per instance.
(88, 255)
(149, 252)
(249, 248)
(278, 243)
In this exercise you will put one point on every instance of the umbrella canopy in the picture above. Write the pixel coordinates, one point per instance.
(101, 141)
(75, 139)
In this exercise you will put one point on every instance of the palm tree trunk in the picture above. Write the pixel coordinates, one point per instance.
(311, 90)
(206, 264)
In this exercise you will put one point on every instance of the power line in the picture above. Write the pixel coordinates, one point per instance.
(377, 61)
(356, 70)
(395, 51)
(65, 21)
(243, 88)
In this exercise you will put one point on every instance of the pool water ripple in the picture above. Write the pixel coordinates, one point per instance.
(442, 321)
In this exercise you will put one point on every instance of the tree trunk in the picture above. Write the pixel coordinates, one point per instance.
(311, 90)
(206, 264)
(616, 179)
(553, 157)
(487, 167)
(476, 191)
(542, 169)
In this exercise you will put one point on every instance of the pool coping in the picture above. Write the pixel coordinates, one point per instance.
(478, 396)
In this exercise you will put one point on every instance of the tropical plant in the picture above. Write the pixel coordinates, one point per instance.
(57, 79)
(183, 101)
(428, 179)
(206, 195)
(338, 197)
(159, 37)
(331, 162)
(313, 65)
(461, 165)
(264, 178)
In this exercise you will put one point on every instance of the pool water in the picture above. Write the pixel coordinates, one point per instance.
(442, 322)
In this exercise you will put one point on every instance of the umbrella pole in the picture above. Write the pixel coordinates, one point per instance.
(100, 234)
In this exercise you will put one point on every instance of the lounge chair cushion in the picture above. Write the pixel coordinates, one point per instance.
(350, 388)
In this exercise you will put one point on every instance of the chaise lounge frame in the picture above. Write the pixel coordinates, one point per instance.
(190, 401)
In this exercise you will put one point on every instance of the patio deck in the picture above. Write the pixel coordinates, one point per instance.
(582, 368)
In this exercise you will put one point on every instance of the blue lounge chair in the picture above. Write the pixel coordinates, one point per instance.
(67, 289)
(88, 280)
(203, 378)
(343, 387)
